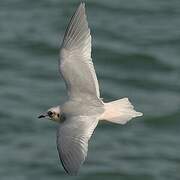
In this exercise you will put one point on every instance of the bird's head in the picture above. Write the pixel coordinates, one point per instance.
(52, 114)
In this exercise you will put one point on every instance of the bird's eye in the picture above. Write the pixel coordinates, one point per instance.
(58, 115)
(50, 113)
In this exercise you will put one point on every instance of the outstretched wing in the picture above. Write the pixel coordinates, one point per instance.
(76, 65)
(72, 141)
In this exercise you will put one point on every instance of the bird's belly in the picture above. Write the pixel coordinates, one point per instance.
(81, 108)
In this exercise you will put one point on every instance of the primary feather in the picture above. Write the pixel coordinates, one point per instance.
(76, 65)
(72, 141)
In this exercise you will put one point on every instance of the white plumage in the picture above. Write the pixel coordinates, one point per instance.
(76, 64)
(79, 116)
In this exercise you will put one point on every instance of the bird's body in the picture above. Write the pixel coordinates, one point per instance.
(84, 108)
(79, 116)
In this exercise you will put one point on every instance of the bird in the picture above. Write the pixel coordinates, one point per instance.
(79, 115)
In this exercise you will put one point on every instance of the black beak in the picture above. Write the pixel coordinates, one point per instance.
(42, 116)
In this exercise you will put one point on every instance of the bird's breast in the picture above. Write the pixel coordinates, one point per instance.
(80, 108)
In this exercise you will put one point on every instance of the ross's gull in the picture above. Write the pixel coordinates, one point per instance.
(79, 116)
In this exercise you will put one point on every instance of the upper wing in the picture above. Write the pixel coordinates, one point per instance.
(72, 141)
(76, 65)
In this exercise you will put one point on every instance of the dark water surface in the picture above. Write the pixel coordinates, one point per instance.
(136, 52)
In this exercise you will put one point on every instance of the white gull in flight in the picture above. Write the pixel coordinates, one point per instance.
(79, 116)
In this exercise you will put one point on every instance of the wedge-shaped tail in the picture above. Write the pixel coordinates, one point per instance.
(119, 111)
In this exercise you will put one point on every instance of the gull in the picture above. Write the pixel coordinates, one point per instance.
(79, 115)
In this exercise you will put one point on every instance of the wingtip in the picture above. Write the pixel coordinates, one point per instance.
(82, 4)
(68, 171)
(81, 7)
(72, 173)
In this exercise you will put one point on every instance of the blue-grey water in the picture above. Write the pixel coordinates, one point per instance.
(136, 53)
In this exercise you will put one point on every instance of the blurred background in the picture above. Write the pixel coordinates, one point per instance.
(136, 53)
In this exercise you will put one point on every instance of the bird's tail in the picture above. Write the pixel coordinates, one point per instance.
(119, 111)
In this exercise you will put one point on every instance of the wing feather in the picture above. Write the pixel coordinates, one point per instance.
(76, 65)
(72, 141)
